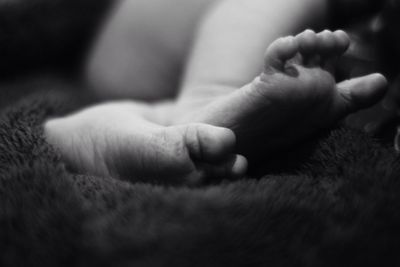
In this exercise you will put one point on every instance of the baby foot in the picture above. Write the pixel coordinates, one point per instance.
(295, 96)
(112, 140)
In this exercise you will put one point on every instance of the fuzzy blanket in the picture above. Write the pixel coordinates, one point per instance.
(332, 202)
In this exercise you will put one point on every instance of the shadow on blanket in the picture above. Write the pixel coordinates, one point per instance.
(340, 208)
(337, 206)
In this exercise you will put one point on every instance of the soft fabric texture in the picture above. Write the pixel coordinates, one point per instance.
(333, 202)
(338, 207)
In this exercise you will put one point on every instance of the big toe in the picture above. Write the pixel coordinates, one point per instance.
(213, 150)
(208, 143)
(362, 92)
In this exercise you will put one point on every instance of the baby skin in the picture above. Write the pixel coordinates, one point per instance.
(295, 96)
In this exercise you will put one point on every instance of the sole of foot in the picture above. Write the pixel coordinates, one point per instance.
(112, 140)
(294, 97)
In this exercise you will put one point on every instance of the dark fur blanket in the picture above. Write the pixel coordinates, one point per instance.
(336, 203)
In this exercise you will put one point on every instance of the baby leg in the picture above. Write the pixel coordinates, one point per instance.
(140, 51)
(234, 35)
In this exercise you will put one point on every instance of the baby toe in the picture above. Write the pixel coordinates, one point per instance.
(326, 43)
(342, 41)
(208, 143)
(331, 45)
(279, 52)
(360, 92)
(307, 41)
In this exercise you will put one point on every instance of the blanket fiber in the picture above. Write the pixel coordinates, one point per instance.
(336, 203)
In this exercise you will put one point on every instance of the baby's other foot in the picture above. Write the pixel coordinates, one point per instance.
(295, 96)
(112, 140)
